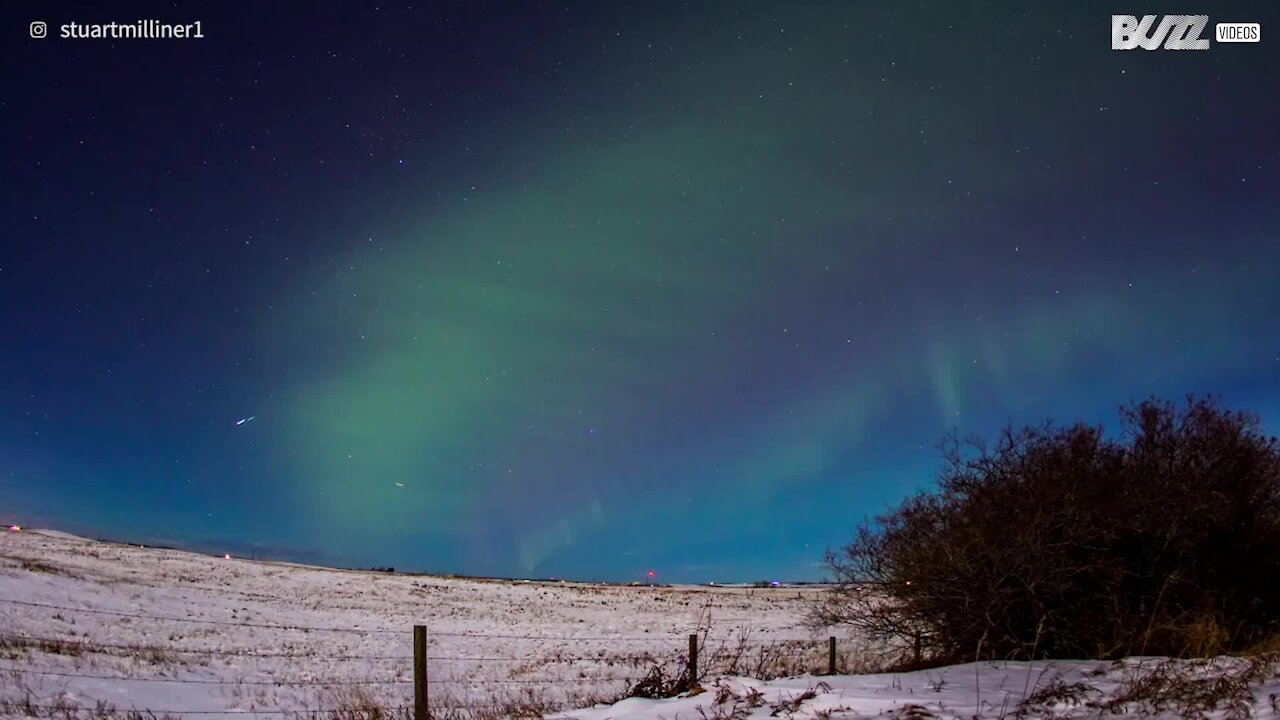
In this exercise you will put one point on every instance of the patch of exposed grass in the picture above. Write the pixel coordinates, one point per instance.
(63, 707)
(355, 702)
(791, 705)
(1053, 694)
(16, 646)
(40, 566)
(1196, 688)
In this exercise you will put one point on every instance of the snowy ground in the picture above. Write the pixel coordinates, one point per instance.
(1002, 690)
(561, 645)
(178, 633)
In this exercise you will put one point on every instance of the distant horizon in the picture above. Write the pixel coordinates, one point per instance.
(216, 549)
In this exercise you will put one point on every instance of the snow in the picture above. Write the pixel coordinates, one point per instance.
(246, 637)
(962, 692)
(549, 639)
(58, 534)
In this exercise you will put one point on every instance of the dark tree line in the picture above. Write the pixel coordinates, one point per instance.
(1065, 542)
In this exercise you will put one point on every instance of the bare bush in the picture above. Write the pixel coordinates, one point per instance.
(1063, 542)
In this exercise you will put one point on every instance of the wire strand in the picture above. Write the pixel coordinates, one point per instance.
(182, 681)
(532, 681)
(242, 713)
(357, 631)
(95, 646)
(354, 631)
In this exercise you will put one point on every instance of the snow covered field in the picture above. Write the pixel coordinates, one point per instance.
(246, 635)
(163, 631)
(1009, 691)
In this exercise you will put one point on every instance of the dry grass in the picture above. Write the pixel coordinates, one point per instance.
(529, 703)
(787, 658)
(354, 702)
(1196, 688)
(16, 648)
(40, 566)
(727, 704)
(62, 707)
(1269, 645)
(1057, 692)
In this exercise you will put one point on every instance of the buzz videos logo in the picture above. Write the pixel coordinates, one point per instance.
(1176, 32)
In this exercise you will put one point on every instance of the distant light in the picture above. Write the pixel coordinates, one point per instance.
(650, 573)
(15, 528)
(226, 557)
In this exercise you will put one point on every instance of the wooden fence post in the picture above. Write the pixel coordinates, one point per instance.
(831, 655)
(693, 661)
(420, 711)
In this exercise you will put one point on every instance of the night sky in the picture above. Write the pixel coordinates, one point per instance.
(588, 289)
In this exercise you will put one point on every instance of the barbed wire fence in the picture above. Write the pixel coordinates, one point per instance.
(442, 679)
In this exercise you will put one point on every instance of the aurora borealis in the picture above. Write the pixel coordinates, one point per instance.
(592, 289)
